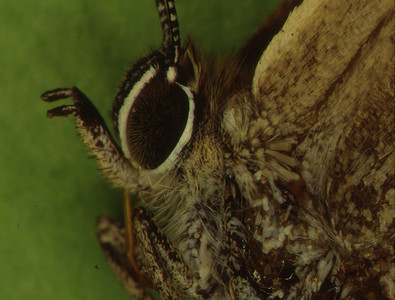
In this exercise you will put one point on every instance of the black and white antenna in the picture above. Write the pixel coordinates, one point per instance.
(171, 33)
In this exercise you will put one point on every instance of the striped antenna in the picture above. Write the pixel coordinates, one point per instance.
(171, 33)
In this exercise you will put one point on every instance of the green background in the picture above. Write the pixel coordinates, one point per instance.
(50, 192)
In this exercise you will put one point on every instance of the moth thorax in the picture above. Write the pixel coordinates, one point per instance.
(156, 121)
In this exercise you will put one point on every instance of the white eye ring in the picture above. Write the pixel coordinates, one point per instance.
(126, 107)
(126, 110)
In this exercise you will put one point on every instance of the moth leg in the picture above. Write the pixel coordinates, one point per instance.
(130, 242)
(160, 260)
(111, 237)
(241, 284)
(94, 134)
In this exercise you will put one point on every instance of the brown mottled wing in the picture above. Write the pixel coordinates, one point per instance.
(327, 80)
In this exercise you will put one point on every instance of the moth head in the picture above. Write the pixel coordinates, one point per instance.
(154, 111)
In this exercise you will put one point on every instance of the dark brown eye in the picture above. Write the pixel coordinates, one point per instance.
(154, 109)
(156, 122)
(156, 119)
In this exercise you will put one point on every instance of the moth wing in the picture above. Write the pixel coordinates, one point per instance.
(326, 80)
(331, 62)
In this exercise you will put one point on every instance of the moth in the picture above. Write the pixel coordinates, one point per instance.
(264, 175)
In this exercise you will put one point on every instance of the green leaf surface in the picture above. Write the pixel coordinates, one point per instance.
(50, 192)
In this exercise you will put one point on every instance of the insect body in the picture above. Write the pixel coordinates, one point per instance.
(255, 176)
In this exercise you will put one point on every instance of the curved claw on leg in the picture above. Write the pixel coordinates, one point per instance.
(63, 93)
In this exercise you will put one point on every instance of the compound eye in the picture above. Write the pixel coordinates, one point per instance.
(159, 124)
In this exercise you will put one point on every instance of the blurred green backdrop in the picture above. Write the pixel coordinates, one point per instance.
(50, 192)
